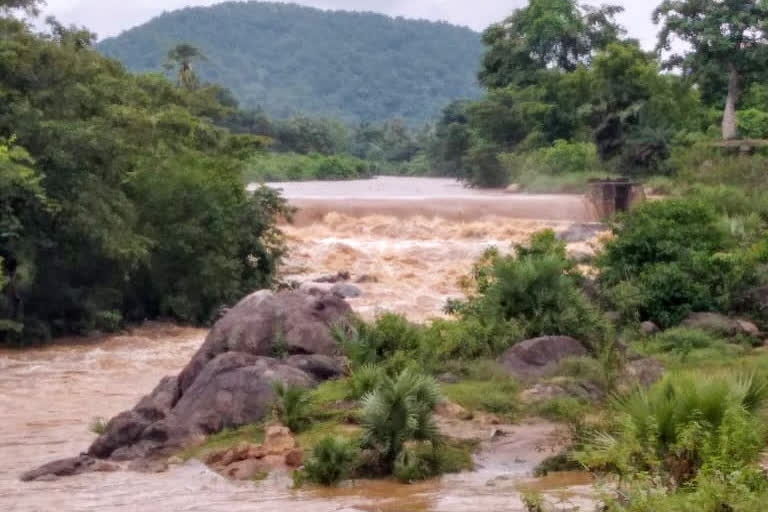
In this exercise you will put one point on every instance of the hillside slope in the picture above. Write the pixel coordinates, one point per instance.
(291, 59)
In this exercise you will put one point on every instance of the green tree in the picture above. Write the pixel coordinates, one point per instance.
(182, 56)
(31, 7)
(546, 34)
(725, 37)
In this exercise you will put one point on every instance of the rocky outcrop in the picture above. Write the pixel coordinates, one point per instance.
(227, 383)
(68, 467)
(720, 324)
(247, 460)
(539, 357)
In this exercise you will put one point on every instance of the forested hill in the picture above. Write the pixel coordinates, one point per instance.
(291, 59)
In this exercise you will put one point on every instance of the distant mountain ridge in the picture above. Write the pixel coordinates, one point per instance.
(291, 59)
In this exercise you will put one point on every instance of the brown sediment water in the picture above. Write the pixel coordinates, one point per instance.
(415, 237)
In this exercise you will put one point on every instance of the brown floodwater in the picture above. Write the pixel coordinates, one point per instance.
(414, 237)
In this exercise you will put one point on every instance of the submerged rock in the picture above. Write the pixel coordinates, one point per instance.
(539, 357)
(68, 467)
(227, 383)
(581, 232)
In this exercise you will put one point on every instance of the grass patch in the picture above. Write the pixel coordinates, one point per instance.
(564, 409)
(329, 428)
(225, 439)
(498, 395)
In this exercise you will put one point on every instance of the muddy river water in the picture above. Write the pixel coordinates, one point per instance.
(412, 238)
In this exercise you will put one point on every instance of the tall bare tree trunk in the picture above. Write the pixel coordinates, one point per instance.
(730, 122)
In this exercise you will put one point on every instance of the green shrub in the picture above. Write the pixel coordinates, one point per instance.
(483, 166)
(669, 258)
(753, 124)
(684, 424)
(390, 335)
(291, 406)
(398, 411)
(364, 380)
(332, 460)
(566, 157)
(582, 368)
(423, 460)
(538, 289)
(468, 338)
(98, 425)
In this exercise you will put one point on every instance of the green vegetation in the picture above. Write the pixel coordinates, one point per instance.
(536, 291)
(398, 411)
(98, 425)
(295, 167)
(292, 406)
(294, 60)
(121, 200)
(496, 395)
(332, 460)
(671, 258)
(227, 438)
(685, 430)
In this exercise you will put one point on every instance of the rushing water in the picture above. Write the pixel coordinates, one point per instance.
(414, 237)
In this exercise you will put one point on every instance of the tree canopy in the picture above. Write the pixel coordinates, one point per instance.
(120, 200)
(727, 38)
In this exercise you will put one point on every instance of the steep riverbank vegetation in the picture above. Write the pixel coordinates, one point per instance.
(121, 200)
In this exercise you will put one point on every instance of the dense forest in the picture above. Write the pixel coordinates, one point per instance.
(293, 60)
(120, 200)
(569, 95)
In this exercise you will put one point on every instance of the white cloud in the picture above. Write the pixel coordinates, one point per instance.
(110, 17)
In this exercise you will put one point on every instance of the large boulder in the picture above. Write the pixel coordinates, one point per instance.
(229, 381)
(720, 324)
(539, 357)
(294, 322)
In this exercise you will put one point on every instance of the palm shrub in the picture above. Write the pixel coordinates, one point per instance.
(365, 379)
(332, 460)
(398, 411)
(685, 424)
(291, 405)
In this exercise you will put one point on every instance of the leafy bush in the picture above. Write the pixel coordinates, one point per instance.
(387, 341)
(398, 411)
(753, 123)
(684, 424)
(422, 461)
(292, 405)
(332, 460)
(565, 157)
(538, 288)
(669, 258)
(467, 338)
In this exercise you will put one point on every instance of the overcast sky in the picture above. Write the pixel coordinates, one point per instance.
(110, 17)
